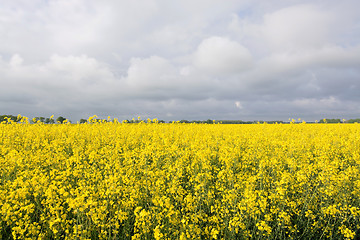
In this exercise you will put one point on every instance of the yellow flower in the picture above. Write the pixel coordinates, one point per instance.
(189, 181)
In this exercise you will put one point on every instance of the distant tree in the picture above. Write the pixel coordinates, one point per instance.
(60, 119)
(161, 121)
(49, 121)
(274, 122)
(357, 120)
(4, 118)
(327, 120)
(184, 121)
(83, 120)
(36, 119)
(232, 122)
(195, 121)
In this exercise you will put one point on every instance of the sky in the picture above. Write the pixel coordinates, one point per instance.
(174, 60)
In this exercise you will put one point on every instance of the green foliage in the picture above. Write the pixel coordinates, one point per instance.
(4, 118)
(328, 120)
(357, 120)
(60, 119)
(49, 121)
(41, 119)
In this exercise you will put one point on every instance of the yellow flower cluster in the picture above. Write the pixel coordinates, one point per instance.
(112, 180)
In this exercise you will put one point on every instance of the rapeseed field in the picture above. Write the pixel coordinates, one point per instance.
(115, 180)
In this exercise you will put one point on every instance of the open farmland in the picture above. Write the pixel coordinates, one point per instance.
(179, 181)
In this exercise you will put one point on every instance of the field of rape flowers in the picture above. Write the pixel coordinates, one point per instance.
(149, 180)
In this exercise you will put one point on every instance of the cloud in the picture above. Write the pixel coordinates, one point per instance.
(289, 64)
(153, 72)
(16, 61)
(82, 70)
(57, 83)
(318, 103)
(238, 105)
(297, 27)
(187, 60)
(219, 55)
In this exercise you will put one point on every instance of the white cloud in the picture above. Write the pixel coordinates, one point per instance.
(79, 68)
(152, 72)
(238, 105)
(57, 82)
(16, 60)
(219, 55)
(297, 27)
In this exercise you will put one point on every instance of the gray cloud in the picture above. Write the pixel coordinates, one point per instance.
(240, 60)
(221, 56)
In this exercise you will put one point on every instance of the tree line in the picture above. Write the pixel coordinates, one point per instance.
(61, 119)
(6, 118)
